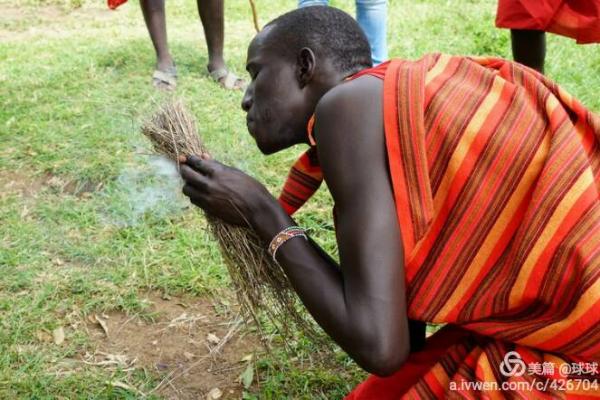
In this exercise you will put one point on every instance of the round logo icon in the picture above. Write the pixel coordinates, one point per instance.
(512, 365)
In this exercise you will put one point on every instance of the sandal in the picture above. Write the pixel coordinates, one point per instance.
(165, 80)
(227, 79)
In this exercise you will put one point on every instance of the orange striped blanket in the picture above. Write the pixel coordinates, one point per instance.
(496, 175)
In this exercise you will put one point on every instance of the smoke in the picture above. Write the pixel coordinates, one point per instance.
(149, 189)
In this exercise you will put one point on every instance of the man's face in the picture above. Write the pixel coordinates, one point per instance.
(277, 107)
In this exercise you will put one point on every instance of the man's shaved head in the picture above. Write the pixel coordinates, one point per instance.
(329, 32)
(293, 62)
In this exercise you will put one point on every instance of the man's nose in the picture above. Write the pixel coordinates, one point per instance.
(247, 100)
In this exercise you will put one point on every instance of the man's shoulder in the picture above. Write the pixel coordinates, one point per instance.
(350, 114)
(352, 93)
(351, 98)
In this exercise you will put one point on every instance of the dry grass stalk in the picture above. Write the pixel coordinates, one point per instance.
(254, 16)
(260, 283)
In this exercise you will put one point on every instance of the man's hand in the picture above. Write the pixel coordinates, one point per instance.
(224, 192)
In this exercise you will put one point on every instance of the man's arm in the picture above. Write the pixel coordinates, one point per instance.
(361, 305)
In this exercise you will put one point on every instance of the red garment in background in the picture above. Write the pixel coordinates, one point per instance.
(577, 19)
(112, 4)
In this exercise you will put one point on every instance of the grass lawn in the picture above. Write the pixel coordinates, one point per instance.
(93, 231)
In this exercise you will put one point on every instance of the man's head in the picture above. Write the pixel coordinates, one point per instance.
(293, 62)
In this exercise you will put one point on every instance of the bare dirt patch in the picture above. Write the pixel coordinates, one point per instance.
(192, 347)
(26, 186)
(19, 183)
(18, 14)
(25, 21)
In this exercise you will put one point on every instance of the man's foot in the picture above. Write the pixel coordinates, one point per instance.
(227, 79)
(165, 79)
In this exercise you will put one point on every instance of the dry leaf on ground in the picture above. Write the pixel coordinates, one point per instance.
(58, 335)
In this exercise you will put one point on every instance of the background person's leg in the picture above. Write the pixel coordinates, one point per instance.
(213, 22)
(372, 18)
(212, 17)
(306, 3)
(154, 15)
(529, 47)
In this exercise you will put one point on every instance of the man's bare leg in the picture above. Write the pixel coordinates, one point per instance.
(211, 15)
(529, 47)
(154, 15)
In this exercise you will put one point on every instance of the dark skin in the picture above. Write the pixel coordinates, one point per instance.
(212, 17)
(529, 47)
(360, 303)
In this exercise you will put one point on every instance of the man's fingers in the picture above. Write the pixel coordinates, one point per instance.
(192, 177)
(196, 196)
(200, 165)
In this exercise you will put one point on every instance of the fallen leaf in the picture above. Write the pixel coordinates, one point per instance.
(59, 335)
(188, 355)
(214, 394)
(212, 338)
(247, 358)
(247, 376)
(43, 336)
(103, 324)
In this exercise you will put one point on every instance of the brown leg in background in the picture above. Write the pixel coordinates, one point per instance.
(154, 15)
(529, 48)
(212, 17)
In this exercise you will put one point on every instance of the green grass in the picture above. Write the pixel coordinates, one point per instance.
(74, 85)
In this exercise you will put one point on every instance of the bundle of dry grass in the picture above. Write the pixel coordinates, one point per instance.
(260, 283)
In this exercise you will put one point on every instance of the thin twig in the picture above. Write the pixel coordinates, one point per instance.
(125, 323)
(254, 15)
(227, 337)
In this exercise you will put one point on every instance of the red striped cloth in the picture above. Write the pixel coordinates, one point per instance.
(303, 180)
(496, 176)
(577, 19)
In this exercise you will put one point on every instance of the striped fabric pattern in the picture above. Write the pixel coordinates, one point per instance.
(302, 182)
(496, 175)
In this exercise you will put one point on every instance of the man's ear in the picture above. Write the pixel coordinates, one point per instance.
(305, 66)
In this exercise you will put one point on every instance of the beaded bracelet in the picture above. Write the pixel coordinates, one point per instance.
(288, 233)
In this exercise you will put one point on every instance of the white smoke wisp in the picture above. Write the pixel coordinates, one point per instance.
(149, 189)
